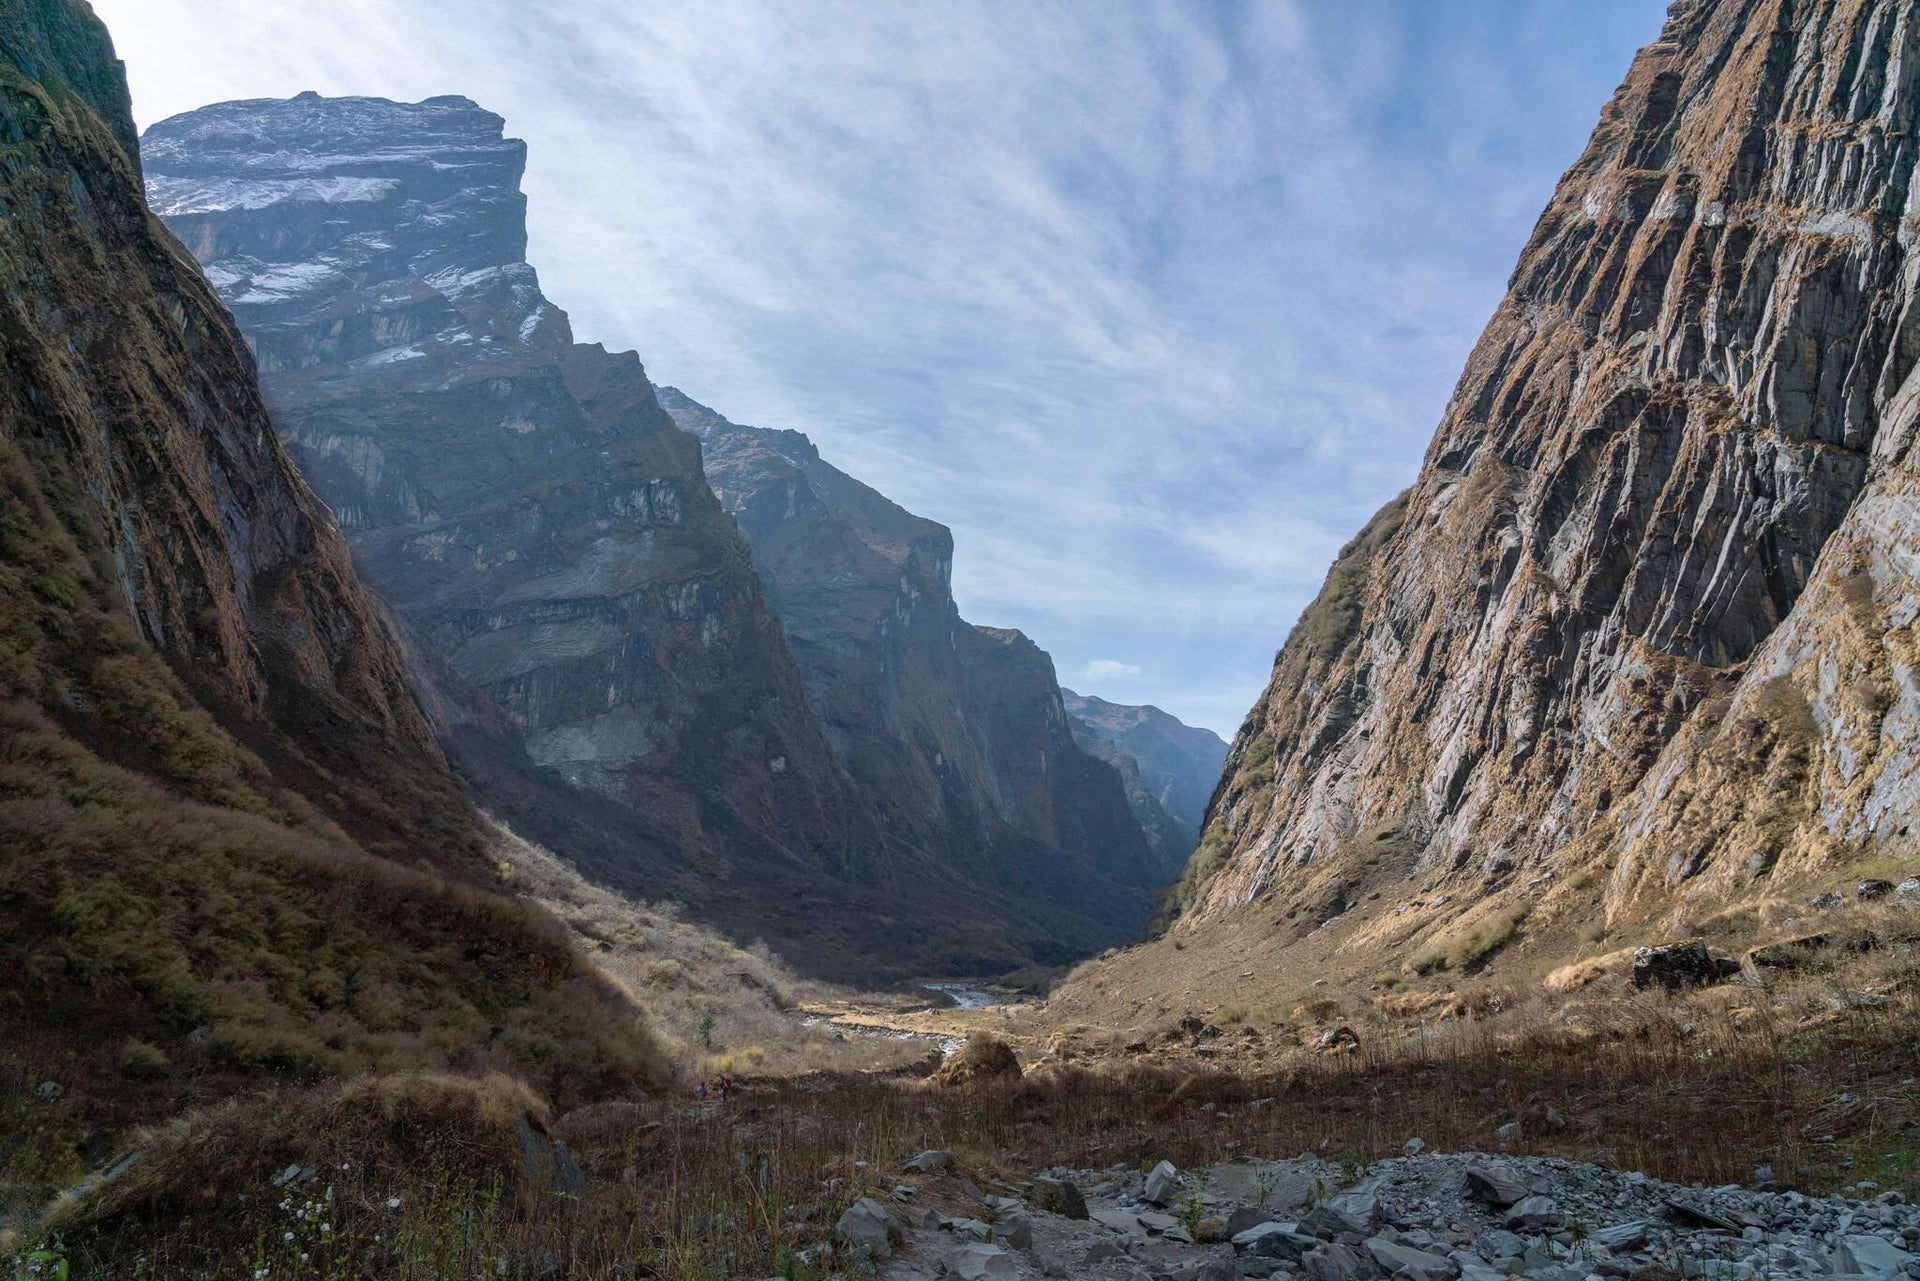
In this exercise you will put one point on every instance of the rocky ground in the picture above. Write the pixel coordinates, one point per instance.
(1424, 1216)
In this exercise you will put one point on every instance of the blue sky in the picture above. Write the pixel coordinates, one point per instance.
(1152, 303)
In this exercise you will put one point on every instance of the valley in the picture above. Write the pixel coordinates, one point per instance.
(470, 809)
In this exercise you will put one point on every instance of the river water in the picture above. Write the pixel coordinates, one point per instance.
(965, 996)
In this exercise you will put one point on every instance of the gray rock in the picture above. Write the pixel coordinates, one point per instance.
(1871, 1256)
(929, 1161)
(1508, 1134)
(977, 1261)
(1016, 1233)
(1245, 1217)
(49, 1092)
(1405, 1261)
(1063, 1198)
(1499, 1244)
(1118, 1220)
(1163, 1184)
(1498, 1187)
(1622, 1237)
(1907, 893)
(1274, 1241)
(1101, 1251)
(1335, 1262)
(1871, 891)
(1535, 1212)
(1328, 1222)
(867, 1227)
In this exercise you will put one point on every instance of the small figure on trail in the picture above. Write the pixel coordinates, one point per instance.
(726, 1086)
(700, 1090)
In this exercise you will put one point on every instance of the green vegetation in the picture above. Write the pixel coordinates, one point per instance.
(1469, 951)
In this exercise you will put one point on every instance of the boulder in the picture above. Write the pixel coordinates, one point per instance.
(1872, 891)
(1338, 1040)
(1907, 893)
(1535, 1212)
(984, 1057)
(929, 1161)
(1674, 966)
(867, 1228)
(1398, 1260)
(1061, 1197)
(1335, 1262)
(1163, 1184)
(1497, 1187)
(978, 1261)
(1871, 1256)
(1329, 1223)
(1275, 1241)
(1622, 1238)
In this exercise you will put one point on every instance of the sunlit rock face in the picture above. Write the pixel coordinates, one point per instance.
(1643, 622)
(520, 499)
(958, 733)
(608, 665)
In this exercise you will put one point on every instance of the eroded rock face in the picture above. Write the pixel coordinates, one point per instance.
(957, 734)
(522, 500)
(1648, 605)
(605, 657)
(132, 397)
(1170, 768)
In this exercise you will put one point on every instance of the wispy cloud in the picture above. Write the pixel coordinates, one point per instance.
(1152, 303)
(1110, 669)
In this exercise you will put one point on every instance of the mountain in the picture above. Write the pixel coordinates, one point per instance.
(233, 848)
(1635, 647)
(1170, 768)
(957, 732)
(604, 657)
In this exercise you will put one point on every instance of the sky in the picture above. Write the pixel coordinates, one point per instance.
(1152, 303)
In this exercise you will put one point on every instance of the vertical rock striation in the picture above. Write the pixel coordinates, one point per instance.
(1648, 605)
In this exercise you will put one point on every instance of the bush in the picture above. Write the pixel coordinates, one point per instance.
(143, 1061)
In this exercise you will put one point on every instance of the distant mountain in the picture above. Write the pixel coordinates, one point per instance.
(956, 732)
(1171, 768)
(606, 662)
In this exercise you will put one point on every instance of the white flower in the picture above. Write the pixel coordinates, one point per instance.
(326, 1227)
(393, 1203)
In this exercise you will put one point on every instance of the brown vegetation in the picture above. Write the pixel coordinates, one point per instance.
(1679, 1089)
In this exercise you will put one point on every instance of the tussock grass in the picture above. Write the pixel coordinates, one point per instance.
(1685, 1090)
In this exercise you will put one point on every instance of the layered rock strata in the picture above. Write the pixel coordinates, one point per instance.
(1647, 609)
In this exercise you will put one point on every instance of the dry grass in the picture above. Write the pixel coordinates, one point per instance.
(1684, 1091)
(718, 1008)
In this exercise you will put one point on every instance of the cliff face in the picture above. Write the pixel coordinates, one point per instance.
(206, 729)
(522, 501)
(1170, 768)
(605, 657)
(1647, 608)
(956, 733)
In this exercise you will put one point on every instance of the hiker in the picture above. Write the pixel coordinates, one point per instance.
(700, 1090)
(726, 1087)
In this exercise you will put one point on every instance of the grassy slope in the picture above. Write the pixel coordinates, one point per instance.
(181, 915)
